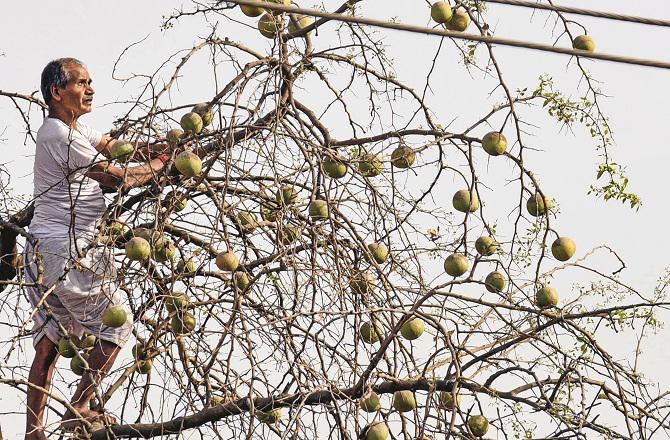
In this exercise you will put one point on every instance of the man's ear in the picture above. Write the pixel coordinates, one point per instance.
(55, 93)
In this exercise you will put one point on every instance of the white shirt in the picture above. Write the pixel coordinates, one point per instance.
(67, 202)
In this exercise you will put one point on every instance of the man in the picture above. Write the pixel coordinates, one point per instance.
(69, 168)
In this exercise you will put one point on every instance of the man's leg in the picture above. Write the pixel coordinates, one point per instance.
(100, 361)
(41, 373)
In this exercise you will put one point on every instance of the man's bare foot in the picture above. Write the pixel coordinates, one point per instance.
(70, 421)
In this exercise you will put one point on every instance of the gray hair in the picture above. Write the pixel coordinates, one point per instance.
(55, 74)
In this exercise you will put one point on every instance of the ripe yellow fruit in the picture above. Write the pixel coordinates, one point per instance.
(379, 252)
(114, 316)
(403, 157)
(486, 246)
(318, 210)
(404, 400)
(370, 333)
(301, 22)
(465, 201)
(412, 329)
(441, 12)
(121, 150)
(370, 402)
(137, 249)
(459, 21)
(377, 431)
(494, 143)
(227, 261)
(191, 123)
(537, 206)
(478, 425)
(546, 297)
(584, 42)
(456, 265)
(563, 248)
(269, 25)
(188, 163)
(251, 11)
(495, 282)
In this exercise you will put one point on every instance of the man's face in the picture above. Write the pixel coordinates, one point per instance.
(76, 98)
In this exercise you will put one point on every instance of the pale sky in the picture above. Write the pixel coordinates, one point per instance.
(34, 32)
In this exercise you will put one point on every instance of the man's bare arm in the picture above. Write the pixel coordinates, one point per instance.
(128, 177)
(144, 153)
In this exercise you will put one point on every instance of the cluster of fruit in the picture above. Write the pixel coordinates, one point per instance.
(271, 22)
(77, 350)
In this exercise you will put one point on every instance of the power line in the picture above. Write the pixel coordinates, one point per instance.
(451, 34)
(588, 12)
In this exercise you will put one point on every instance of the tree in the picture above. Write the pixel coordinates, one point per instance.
(290, 339)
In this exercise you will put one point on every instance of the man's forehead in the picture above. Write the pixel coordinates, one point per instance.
(77, 72)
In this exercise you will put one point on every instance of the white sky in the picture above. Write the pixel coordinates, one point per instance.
(34, 32)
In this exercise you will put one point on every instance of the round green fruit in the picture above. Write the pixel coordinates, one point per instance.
(318, 210)
(495, 282)
(537, 206)
(288, 234)
(204, 110)
(175, 200)
(139, 351)
(241, 280)
(494, 143)
(447, 400)
(563, 248)
(144, 366)
(173, 136)
(176, 301)
(486, 246)
(117, 228)
(188, 164)
(370, 402)
(412, 329)
(286, 195)
(441, 12)
(478, 425)
(546, 297)
(182, 323)
(362, 283)
(334, 167)
(269, 213)
(247, 220)
(227, 261)
(165, 253)
(370, 165)
(269, 25)
(88, 342)
(301, 22)
(188, 266)
(269, 417)
(377, 431)
(379, 252)
(456, 265)
(77, 366)
(369, 333)
(251, 11)
(465, 201)
(115, 316)
(584, 42)
(404, 400)
(459, 20)
(403, 157)
(121, 150)
(66, 348)
(191, 123)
